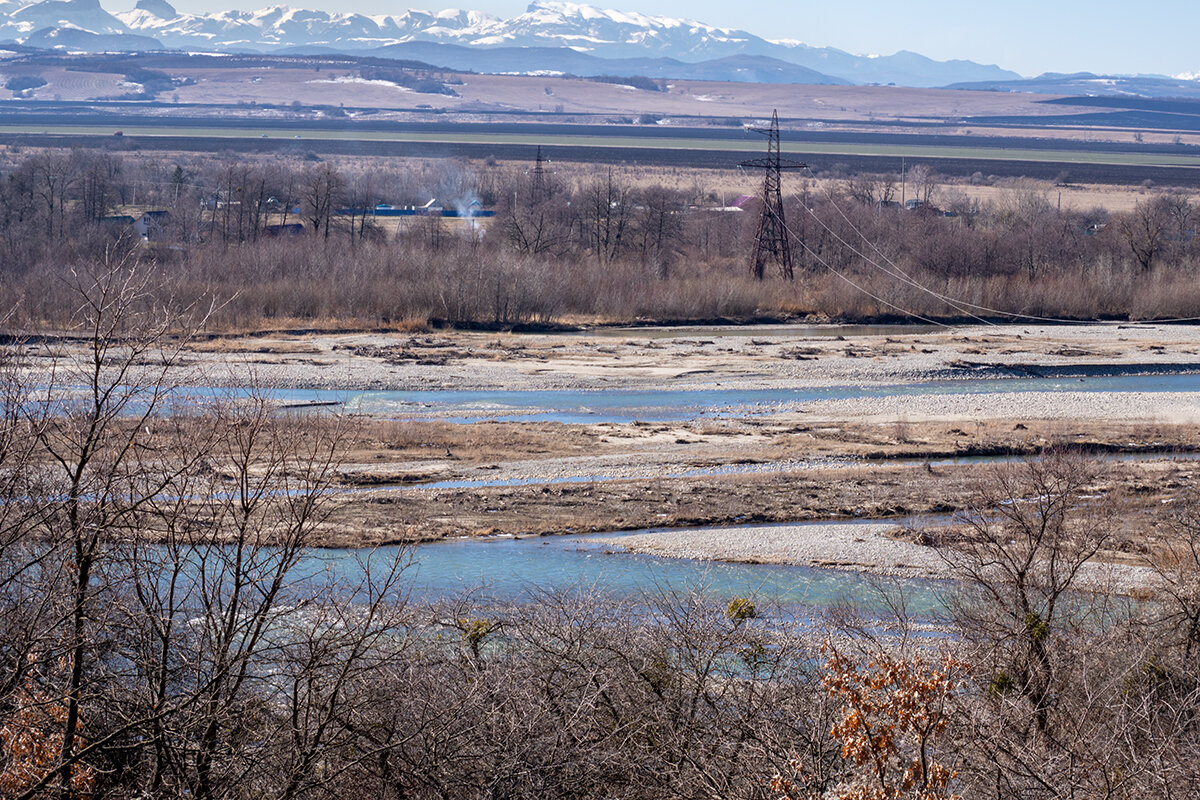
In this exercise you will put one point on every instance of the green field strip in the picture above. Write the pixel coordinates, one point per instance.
(634, 142)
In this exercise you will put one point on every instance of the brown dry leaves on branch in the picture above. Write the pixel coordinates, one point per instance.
(31, 743)
(892, 710)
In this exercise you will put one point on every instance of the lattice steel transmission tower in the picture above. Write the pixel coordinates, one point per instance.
(771, 242)
(539, 178)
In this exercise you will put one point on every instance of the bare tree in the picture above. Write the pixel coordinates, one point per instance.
(320, 191)
(658, 229)
(1075, 697)
(100, 188)
(533, 219)
(1030, 534)
(606, 209)
(1144, 231)
(924, 182)
(51, 178)
(162, 550)
(871, 189)
(1178, 566)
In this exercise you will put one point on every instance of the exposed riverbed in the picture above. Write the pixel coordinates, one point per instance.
(701, 429)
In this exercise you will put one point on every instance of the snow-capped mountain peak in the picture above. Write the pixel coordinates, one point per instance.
(159, 8)
(581, 11)
(79, 14)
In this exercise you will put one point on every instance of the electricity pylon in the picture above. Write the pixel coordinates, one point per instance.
(539, 178)
(771, 242)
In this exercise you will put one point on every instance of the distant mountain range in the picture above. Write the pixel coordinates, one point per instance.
(548, 37)
(1086, 84)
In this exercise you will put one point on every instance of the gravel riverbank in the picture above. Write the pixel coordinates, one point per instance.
(861, 547)
(690, 359)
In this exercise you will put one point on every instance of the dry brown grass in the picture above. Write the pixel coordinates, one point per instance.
(382, 287)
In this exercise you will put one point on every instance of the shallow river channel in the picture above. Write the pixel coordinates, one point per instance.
(516, 569)
(625, 405)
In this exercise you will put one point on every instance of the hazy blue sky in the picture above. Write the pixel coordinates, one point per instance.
(1029, 36)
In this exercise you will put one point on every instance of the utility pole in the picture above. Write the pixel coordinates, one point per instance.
(771, 241)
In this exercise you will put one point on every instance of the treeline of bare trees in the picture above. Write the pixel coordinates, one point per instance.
(299, 242)
(167, 631)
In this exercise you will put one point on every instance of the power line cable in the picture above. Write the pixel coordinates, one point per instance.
(896, 272)
(960, 305)
(856, 286)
